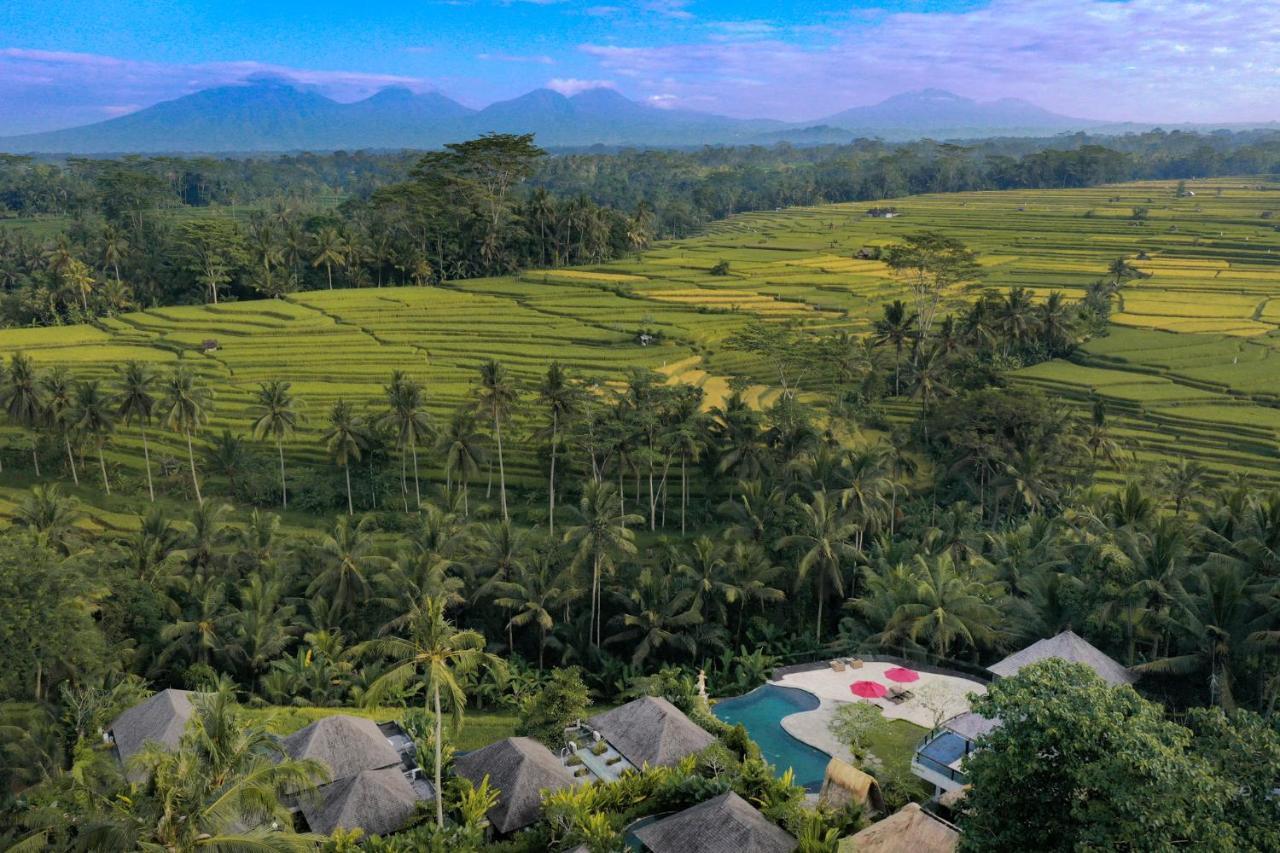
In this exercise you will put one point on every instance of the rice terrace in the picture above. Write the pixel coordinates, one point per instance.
(1188, 369)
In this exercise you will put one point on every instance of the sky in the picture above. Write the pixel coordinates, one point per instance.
(71, 62)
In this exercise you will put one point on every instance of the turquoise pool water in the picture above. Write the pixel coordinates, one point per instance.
(761, 712)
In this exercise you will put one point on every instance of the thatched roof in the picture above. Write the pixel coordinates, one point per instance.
(909, 830)
(843, 784)
(970, 725)
(346, 745)
(1066, 646)
(651, 731)
(377, 801)
(162, 719)
(520, 768)
(723, 824)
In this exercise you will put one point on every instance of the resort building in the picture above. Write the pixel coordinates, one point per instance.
(651, 731)
(1067, 646)
(374, 780)
(160, 719)
(939, 757)
(723, 824)
(519, 768)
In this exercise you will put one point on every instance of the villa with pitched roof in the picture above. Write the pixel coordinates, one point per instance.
(940, 757)
(161, 719)
(723, 824)
(519, 768)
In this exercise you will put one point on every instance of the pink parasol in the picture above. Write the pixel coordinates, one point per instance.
(901, 674)
(868, 689)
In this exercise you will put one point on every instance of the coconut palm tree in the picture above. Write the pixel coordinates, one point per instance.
(461, 445)
(185, 409)
(24, 400)
(430, 648)
(275, 413)
(687, 438)
(944, 607)
(659, 615)
(495, 398)
(347, 561)
(328, 251)
(896, 328)
(500, 552)
(91, 415)
(826, 544)
(531, 595)
(136, 403)
(601, 536)
(560, 396)
(345, 440)
(58, 393)
(49, 515)
(407, 417)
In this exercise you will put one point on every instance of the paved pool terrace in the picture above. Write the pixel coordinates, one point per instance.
(948, 693)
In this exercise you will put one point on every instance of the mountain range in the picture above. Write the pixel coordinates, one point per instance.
(274, 115)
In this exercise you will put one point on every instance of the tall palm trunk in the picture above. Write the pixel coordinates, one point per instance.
(684, 492)
(191, 457)
(102, 463)
(35, 457)
(595, 591)
(502, 471)
(551, 482)
(71, 459)
(146, 455)
(439, 738)
(284, 490)
(417, 489)
(350, 506)
(822, 593)
(329, 272)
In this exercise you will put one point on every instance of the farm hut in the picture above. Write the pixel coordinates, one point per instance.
(651, 731)
(1067, 646)
(911, 829)
(723, 824)
(843, 784)
(379, 802)
(520, 768)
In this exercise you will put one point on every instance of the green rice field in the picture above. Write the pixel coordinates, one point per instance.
(1190, 367)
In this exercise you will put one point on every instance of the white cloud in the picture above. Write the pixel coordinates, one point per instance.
(571, 86)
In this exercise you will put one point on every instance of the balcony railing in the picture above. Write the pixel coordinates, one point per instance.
(941, 769)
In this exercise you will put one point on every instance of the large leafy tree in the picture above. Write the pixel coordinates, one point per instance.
(1120, 776)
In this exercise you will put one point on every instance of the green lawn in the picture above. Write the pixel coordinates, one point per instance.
(894, 742)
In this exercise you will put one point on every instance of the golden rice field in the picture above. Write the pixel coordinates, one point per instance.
(1190, 367)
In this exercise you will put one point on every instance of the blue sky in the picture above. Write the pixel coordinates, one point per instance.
(67, 62)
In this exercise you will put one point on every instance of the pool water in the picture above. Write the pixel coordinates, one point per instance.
(761, 712)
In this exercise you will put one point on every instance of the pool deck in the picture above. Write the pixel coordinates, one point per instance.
(832, 688)
(813, 728)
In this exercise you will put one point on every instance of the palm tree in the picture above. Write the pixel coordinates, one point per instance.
(330, 250)
(221, 789)
(432, 649)
(202, 630)
(896, 328)
(1183, 480)
(345, 440)
(943, 606)
(600, 536)
(496, 397)
(136, 401)
(91, 415)
(687, 438)
(275, 414)
(500, 553)
(58, 391)
(710, 577)
(24, 400)
(531, 595)
(1221, 616)
(754, 574)
(825, 542)
(186, 408)
(405, 414)
(660, 615)
(460, 445)
(347, 561)
(560, 396)
(49, 515)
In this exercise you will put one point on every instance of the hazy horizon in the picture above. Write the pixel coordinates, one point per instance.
(65, 63)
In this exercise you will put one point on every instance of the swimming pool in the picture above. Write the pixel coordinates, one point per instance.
(761, 712)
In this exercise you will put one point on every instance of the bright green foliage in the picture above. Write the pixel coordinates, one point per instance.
(560, 702)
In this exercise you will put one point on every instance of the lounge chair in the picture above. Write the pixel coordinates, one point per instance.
(837, 665)
(855, 663)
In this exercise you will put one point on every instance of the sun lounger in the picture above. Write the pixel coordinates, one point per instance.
(837, 665)
(855, 663)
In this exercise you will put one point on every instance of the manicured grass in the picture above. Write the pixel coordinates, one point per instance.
(894, 742)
